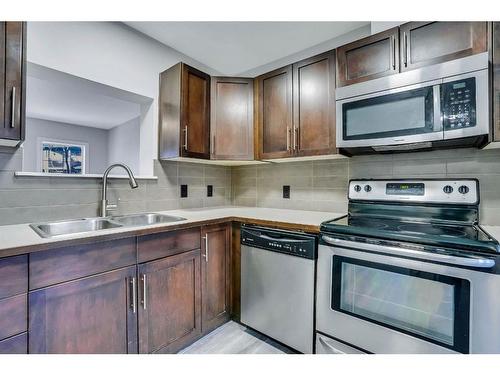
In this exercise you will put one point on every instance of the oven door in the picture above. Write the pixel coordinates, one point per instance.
(400, 116)
(391, 304)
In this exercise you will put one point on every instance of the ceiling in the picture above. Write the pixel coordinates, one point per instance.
(232, 48)
(57, 96)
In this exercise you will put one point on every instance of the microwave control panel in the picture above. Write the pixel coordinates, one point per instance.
(458, 104)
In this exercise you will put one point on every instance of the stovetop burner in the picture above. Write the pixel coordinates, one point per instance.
(429, 212)
(434, 230)
(464, 235)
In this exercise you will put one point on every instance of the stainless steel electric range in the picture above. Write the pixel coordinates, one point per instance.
(408, 270)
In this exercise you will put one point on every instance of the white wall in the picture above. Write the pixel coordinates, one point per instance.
(379, 26)
(113, 54)
(97, 140)
(123, 146)
(311, 51)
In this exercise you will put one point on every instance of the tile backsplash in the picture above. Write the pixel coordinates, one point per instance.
(32, 199)
(322, 185)
(314, 185)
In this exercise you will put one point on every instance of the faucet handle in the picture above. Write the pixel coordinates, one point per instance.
(111, 207)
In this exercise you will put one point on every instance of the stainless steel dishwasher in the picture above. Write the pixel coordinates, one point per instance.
(277, 285)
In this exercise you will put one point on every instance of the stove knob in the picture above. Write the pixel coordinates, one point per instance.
(357, 188)
(448, 189)
(368, 188)
(463, 189)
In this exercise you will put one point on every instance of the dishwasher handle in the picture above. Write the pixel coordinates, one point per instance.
(474, 262)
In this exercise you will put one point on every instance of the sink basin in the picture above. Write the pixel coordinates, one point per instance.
(61, 228)
(145, 219)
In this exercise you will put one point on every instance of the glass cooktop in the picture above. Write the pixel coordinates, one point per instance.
(464, 235)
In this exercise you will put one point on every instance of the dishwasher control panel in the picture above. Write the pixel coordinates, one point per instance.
(292, 243)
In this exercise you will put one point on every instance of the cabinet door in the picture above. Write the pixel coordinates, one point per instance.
(496, 81)
(15, 345)
(12, 60)
(368, 58)
(215, 275)
(426, 43)
(314, 105)
(195, 114)
(96, 314)
(232, 118)
(170, 303)
(275, 113)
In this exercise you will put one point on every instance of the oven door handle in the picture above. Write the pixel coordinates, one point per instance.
(475, 262)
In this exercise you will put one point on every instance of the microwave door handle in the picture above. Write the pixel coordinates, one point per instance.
(476, 262)
(438, 120)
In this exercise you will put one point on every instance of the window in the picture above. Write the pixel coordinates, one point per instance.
(62, 158)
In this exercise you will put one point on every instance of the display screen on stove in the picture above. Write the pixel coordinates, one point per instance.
(404, 188)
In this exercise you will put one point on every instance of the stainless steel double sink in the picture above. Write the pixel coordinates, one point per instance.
(61, 228)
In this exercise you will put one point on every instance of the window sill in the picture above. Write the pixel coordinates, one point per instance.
(63, 175)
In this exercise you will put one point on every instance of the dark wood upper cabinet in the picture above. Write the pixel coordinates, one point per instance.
(275, 113)
(368, 58)
(97, 314)
(232, 118)
(496, 81)
(215, 275)
(427, 43)
(314, 106)
(169, 303)
(184, 113)
(12, 82)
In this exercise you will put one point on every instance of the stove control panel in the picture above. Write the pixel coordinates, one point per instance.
(464, 191)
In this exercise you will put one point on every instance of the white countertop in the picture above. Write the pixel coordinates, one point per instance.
(21, 235)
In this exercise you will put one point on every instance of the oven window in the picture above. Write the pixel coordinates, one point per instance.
(425, 305)
(406, 113)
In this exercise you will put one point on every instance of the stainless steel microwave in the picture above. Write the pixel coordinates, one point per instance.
(440, 105)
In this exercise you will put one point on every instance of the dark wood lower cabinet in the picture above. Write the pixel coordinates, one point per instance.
(158, 306)
(13, 316)
(96, 314)
(215, 276)
(170, 303)
(15, 345)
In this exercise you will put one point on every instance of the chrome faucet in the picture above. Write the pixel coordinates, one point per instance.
(105, 207)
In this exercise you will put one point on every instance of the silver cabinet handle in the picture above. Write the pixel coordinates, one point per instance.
(13, 108)
(475, 262)
(405, 48)
(133, 303)
(144, 291)
(185, 137)
(295, 138)
(288, 138)
(213, 145)
(205, 237)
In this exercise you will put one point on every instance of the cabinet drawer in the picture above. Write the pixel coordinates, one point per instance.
(13, 316)
(14, 275)
(161, 245)
(69, 263)
(15, 345)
